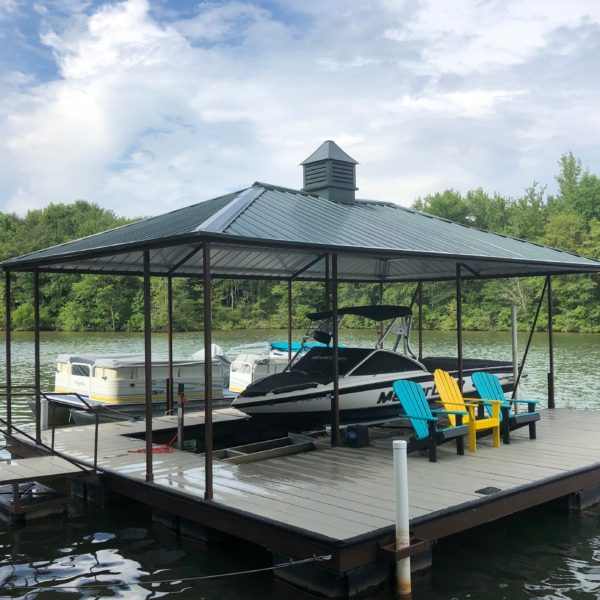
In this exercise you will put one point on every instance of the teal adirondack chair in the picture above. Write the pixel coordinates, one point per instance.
(488, 387)
(424, 421)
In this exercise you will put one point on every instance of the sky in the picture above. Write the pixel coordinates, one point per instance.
(143, 106)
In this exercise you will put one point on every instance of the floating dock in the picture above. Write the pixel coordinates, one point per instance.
(339, 501)
(22, 493)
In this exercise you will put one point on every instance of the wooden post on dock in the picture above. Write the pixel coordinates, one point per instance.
(7, 342)
(148, 364)
(289, 323)
(420, 323)
(170, 385)
(208, 416)
(515, 350)
(459, 340)
(327, 284)
(550, 344)
(403, 584)
(37, 362)
(335, 399)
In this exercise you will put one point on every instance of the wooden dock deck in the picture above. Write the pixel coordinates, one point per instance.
(340, 500)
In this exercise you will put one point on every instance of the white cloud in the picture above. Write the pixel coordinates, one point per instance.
(146, 114)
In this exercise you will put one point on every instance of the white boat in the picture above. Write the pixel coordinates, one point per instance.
(255, 361)
(117, 382)
(299, 397)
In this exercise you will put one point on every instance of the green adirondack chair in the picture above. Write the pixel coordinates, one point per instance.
(424, 421)
(488, 387)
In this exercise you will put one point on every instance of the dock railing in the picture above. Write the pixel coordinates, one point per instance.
(25, 391)
(5, 432)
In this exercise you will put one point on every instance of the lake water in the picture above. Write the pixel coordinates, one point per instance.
(538, 554)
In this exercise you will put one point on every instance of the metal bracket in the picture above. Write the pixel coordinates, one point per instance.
(389, 553)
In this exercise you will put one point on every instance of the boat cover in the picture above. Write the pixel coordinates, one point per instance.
(376, 312)
(119, 361)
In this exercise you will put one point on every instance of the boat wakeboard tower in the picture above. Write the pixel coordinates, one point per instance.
(298, 397)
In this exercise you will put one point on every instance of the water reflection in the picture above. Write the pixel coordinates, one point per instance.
(91, 551)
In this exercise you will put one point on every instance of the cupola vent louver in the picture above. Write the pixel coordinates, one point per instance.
(331, 173)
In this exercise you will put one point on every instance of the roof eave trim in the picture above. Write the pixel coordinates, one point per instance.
(236, 240)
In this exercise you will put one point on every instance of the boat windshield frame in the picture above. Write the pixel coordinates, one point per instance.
(328, 350)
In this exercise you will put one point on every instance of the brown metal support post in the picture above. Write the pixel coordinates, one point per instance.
(208, 416)
(459, 340)
(335, 399)
(170, 343)
(327, 293)
(380, 327)
(37, 362)
(7, 342)
(420, 324)
(550, 344)
(289, 324)
(148, 364)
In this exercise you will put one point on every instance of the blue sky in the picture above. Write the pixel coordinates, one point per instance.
(143, 106)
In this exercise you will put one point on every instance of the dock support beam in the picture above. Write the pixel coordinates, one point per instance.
(550, 344)
(170, 386)
(335, 399)
(37, 362)
(148, 364)
(327, 284)
(420, 319)
(208, 416)
(289, 324)
(7, 342)
(515, 349)
(459, 340)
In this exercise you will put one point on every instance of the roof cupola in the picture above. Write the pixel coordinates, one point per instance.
(331, 173)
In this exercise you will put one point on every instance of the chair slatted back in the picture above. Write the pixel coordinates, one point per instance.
(488, 386)
(450, 394)
(414, 402)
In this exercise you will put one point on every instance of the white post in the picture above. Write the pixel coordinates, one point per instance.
(44, 414)
(403, 587)
(515, 349)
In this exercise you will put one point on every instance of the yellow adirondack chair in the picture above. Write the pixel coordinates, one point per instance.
(452, 399)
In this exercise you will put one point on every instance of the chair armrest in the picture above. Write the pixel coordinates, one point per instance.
(419, 418)
(491, 401)
(525, 401)
(449, 412)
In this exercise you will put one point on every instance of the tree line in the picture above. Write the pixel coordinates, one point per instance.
(568, 220)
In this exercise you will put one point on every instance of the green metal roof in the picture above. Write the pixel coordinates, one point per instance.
(269, 231)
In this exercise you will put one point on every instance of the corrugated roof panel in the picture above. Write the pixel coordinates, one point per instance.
(282, 215)
(374, 241)
(178, 222)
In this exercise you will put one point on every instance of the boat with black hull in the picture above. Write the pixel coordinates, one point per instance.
(299, 398)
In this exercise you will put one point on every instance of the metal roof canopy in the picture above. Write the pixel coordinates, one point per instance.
(270, 232)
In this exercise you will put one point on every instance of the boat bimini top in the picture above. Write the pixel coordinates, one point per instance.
(400, 318)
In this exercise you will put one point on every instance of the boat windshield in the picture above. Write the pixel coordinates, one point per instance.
(319, 361)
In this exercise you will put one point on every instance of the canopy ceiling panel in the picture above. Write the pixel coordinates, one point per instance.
(266, 231)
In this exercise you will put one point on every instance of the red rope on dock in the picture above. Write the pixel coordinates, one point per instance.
(166, 449)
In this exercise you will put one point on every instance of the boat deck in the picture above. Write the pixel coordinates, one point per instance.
(341, 499)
